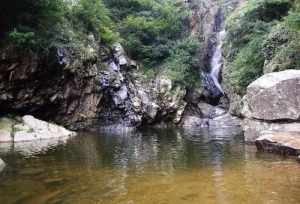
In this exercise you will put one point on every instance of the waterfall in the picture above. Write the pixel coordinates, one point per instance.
(216, 62)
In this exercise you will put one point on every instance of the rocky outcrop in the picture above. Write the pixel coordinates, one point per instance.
(30, 128)
(62, 86)
(95, 86)
(80, 89)
(2, 165)
(274, 96)
(212, 117)
(254, 128)
(286, 143)
(272, 103)
(205, 22)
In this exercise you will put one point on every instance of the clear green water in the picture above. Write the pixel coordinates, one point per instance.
(156, 166)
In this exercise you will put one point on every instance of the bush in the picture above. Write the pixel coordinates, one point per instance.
(181, 65)
(22, 39)
(245, 49)
(35, 15)
(247, 65)
(94, 17)
(148, 27)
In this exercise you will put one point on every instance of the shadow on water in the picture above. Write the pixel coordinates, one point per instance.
(147, 166)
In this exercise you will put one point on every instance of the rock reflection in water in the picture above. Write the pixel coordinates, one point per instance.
(31, 148)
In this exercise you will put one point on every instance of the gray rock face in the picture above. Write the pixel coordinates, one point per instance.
(218, 122)
(287, 143)
(254, 128)
(209, 111)
(31, 128)
(2, 165)
(272, 103)
(225, 121)
(120, 54)
(274, 96)
(92, 87)
(194, 122)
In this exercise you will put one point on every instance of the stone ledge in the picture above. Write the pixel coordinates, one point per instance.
(285, 143)
(30, 128)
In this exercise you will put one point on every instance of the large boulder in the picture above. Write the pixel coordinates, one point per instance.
(209, 111)
(272, 103)
(30, 128)
(274, 96)
(287, 143)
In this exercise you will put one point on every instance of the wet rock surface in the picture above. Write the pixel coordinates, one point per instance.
(286, 143)
(29, 128)
(2, 165)
(254, 128)
(272, 104)
(274, 96)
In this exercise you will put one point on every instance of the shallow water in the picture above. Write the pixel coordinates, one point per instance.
(153, 166)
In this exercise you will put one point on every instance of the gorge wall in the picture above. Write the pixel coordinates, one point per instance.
(100, 86)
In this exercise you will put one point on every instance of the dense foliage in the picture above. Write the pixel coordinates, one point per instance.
(149, 25)
(153, 32)
(263, 36)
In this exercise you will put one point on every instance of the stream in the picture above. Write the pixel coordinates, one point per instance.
(151, 166)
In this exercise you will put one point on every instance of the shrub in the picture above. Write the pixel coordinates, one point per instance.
(247, 29)
(181, 65)
(148, 27)
(94, 17)
(22, 39)
(247, 66)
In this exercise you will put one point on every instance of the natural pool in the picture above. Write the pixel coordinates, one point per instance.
(166, 166)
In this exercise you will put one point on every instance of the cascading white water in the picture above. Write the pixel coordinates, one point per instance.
(216, 62)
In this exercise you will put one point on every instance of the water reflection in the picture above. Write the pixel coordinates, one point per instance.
(148, 166)
(31, 148)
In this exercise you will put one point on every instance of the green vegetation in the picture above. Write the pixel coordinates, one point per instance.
(152, 26)
(180, 66)
(263, 36)
(41, 24)
(92, 16)
(153, 32)
(156, 33)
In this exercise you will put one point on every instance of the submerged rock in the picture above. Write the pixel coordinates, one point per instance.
(287, 143)
(30, 128)
(2, 165)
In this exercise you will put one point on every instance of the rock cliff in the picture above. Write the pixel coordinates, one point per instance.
(101, 87)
